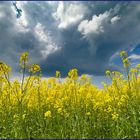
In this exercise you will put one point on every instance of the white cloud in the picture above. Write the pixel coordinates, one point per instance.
(46, 40)
(2, 14)
(95, 25)
(134, 57)
(68, 14)
(115, 19)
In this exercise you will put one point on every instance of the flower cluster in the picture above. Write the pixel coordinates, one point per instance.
(34, 68)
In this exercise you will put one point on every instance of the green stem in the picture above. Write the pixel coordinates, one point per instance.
(23, 77)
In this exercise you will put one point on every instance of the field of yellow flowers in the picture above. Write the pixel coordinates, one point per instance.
(75, 108)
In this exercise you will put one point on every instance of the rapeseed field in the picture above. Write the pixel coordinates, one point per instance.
(35, 107)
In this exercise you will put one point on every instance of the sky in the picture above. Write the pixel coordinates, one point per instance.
(61, 35)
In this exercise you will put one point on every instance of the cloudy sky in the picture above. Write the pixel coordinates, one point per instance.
(63, 35)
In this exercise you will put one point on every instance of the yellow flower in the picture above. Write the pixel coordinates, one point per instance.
(123, 54)
(24, 57)
(133, 70)
(57, 74)
(34, 68)
(108, 72)
(109, 109)
(126, 65)
(4, 68)
(48, 114)
(15, 116)
(58, 104)
(138, 66)
(88, 114)
(23, 61)
(59, 110)
(73, 74)
(83, 77)
(115, 116)
(23, 116)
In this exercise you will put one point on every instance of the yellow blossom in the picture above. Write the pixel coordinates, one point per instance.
(4, 68)
(48, 114)
(34, 68)
(115, 116)
(57, 74)
(88, 114)
(59, 110)
(24, 57)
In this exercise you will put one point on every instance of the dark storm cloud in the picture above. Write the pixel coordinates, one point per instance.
(85, 39)
(81, 53)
